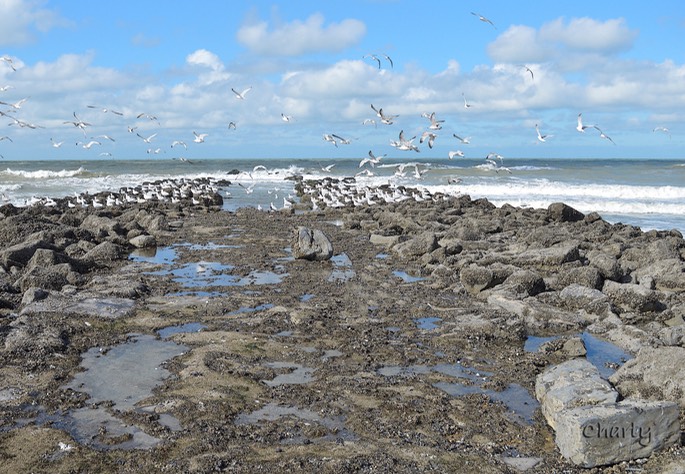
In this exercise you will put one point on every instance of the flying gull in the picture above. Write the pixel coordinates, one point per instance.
(483, 19)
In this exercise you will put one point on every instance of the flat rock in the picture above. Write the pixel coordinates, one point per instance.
(571, 384)
(630, 296)
(605, 434)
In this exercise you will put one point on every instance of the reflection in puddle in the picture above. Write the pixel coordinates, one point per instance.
(343, 268)
(427, 324)
(274, 412)
(382, 256)
(299, 375)
(406, 277)
(331, 353)
(604, 355)
(157, 255)
(306, 297)
(182, 328)
(515, 398)
(120, 378)
(204, 274)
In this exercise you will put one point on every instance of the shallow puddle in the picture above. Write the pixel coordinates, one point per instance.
(516, 398)
(181, 328)
(120, 378)
(156, 256)
(210, 274)
(250, 309)
(342, 271)
(274, 412)
(382, 256)
(306, 297)
(602, 354)
(427, 324)
(299, 375)
(406, 277)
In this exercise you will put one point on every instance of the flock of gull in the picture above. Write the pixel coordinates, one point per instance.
(403, 142)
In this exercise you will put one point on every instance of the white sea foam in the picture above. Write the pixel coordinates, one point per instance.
(44, 174)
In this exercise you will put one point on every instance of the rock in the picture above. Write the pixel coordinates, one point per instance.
(526, 281)
(20, 254)
(101, 225)
(606, 264)
(553, 256)
(33, 294)
(605, 434)
(53, 277)
(311, 244)
(630, 296)
(422, 244)
(571, 384)
(143, 241)
(386, 240)
(476, 278)
(587, 276)
(560, 212)
(577, 296)
(668, 274)
(104, 254)
(655, 374)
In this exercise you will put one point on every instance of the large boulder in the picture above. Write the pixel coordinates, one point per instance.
(311, 244)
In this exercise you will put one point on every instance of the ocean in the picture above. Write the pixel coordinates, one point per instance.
(648, 193)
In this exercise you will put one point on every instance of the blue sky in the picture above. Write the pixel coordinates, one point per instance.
(621, 65)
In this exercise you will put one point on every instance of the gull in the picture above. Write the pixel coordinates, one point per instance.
(454, 180)
(259, 167)
(385, 119)
(148, 116)
(541, 137)
(404, 144)
(56, 144)
(452, 154)
(341, 140)
(5, 138)
(532, 76)
(248, 189)
(465, 141)
(580, 127)
(483, 19)
(389, 60)
(428, 136)
(200, 137)
(327, 168)
(435, 124)
(23, 124)
(156, 151)
(8, 61)
(373, 160)
(105, 153)
(365, 172)
(662, 129)
(89, 144)
(78, 123)
(104, 110)
(148, 139)
(603, 135)
(131, 129)
(16, 105)
(329, 138)
(231, 125)
(367, 121)
(374, 57)
(418, 173)
(6, 88)
(492, 156)
(241, 95)
(466, 104)
(184, 160)
(107, 137)
(286, 118)
(179, 142)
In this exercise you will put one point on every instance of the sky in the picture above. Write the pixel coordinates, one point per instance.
(620, 64)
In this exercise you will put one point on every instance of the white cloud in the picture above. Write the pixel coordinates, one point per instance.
(559, 40)
(301, 37)
(588, 34)
(202, 57)
(19, 19)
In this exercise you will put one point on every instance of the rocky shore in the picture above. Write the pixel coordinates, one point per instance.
(405, 347)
